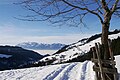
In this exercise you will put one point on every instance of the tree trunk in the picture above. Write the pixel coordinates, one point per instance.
(106, 53)
(104, 39)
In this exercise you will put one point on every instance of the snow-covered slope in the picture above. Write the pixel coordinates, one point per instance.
(75, 50)
(67, 71)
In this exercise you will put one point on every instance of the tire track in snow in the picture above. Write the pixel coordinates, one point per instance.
(53, 74)
(84, 68)
(65, 75)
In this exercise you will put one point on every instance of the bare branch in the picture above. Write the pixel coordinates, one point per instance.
(51, 9)
(105, 6)
(115, 6)
(91, 11)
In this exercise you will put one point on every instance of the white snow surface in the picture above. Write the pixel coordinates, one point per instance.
(117, 59)
(67, 71)
(76, 51)
(5, 56)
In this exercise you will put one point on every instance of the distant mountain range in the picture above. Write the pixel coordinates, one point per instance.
(40, 46)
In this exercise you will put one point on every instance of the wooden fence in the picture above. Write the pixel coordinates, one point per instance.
(104, 72)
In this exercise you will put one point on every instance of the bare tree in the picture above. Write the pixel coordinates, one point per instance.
(72, 12)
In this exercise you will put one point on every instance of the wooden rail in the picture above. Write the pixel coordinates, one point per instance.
(103, 72)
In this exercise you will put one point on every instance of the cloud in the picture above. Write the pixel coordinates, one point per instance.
(10, 29)
(11, 34)
(7, 28)
(67, 39)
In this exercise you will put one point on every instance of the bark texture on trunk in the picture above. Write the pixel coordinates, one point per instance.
(105, 32)
(104, 39)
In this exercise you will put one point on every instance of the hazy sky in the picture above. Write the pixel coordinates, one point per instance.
(13, 31)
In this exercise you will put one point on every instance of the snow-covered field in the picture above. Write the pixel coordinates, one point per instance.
(67, 71)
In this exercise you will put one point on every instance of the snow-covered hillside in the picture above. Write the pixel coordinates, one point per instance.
(67, 71)
(75, 50)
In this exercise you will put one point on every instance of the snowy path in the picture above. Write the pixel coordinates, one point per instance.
(55, 73)
(83, 72)
(68, 71)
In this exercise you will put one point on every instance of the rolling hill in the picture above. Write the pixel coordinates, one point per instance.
(80, 51)
(12, 57)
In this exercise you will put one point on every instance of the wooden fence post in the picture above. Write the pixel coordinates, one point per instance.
(102, 72)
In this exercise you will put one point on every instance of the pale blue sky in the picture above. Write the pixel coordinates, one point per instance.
(14, 31)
